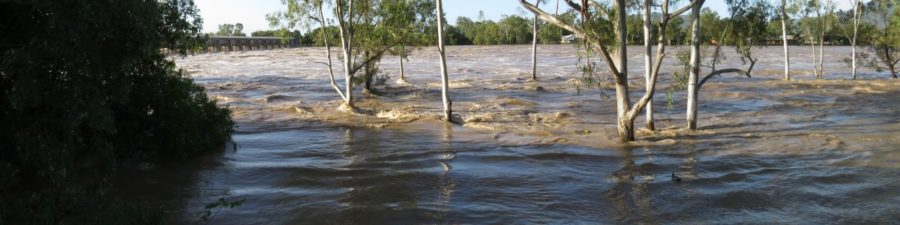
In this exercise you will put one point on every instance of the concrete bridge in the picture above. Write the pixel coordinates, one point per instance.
(223, 43)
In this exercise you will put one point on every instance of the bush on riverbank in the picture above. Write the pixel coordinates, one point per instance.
(84, 87)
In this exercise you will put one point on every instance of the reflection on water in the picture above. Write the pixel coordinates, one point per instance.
(770, 152)
(423, 174)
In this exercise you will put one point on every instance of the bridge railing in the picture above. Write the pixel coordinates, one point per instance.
(228, 44)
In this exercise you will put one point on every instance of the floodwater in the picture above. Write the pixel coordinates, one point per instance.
(768, 151)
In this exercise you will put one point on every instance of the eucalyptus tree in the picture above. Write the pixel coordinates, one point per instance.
(410, 19)
(651, 68)
(745, 29)
(815, 29)
(445, 86)
(534, 41)
(306, 13)
(594, 17)
(848, 25)
(857, 15)
(887, 35)
(363, 33)
(692, 96)
(788, 7)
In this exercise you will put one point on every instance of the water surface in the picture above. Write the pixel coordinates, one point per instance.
(768, 152)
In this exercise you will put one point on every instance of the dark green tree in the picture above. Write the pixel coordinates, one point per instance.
(84, 88)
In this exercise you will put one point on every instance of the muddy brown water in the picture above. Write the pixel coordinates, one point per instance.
(768, 151)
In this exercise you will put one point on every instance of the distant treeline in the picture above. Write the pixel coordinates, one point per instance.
(516, 29)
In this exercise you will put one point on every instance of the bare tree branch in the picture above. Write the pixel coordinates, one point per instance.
(678, 12)
(720, 72)
(578, 33)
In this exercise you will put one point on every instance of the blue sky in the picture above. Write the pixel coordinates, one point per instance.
(251, 13)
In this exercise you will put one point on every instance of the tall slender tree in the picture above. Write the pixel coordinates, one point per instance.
(693, 77)
(366, 30)
(648, 49)
(651, 68)
(784, 39)
(307, 13)
(445, 86)
(594, 16)
(887, 40)
(534, 42)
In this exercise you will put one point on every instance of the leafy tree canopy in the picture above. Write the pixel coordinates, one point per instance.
(84, 88)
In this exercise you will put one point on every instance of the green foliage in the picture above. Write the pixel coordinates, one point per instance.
(231, 30)
(713, 26)
(748, 25)
(377, 27)
(675, 31)
(510, 30)
(550, 34)
(316, 35)
(886, 36)
(79, 96)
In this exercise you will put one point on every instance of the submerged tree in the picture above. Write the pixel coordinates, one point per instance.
(308, 13)
(595, 16)
(445, 86)
(788, 7)
(692, 96)
(745, 29)
(887, 35)
(651, 68)
(857, 15)
(410, 20)
(849, 25)
(815, 29)
(534, 37)
(364, 37)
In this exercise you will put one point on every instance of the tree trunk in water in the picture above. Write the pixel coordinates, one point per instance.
(623, 103)
(444, 80)
(368, 72)
(787, 53)
(822, 43)
(534, 32)
(891, 65)
(648, 61)
(812, 45)
(856, 17)
(346, 42)
(402, 70)
(695, 66)
(328, 53)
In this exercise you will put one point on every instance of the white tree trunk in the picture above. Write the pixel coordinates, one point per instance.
(695, 66)
(346, 46)
(784, 39)
(626, 113)
(812, 45)
(648, 62)
(625, 127)
(822, 41)
(856, 18)
(822, 54)
(402, 70)
(328, 53)
(444, 79)
(534, 41)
